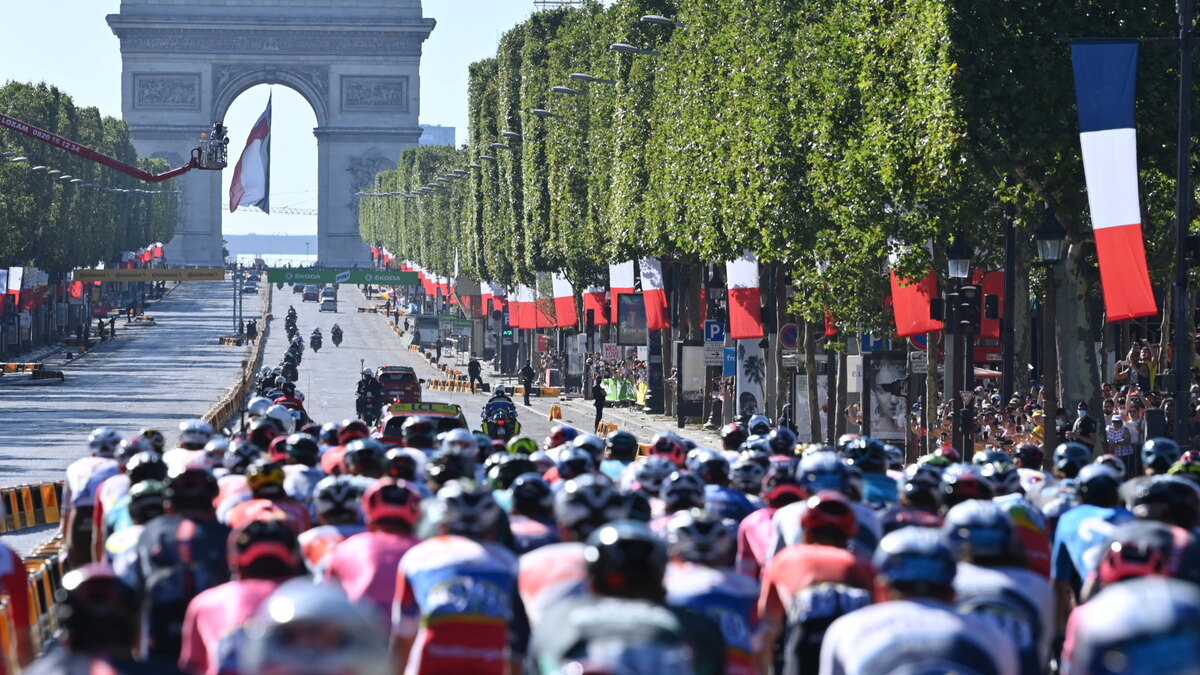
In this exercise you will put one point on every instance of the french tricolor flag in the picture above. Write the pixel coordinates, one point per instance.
(1105, 86)
(564, 302)
(745, 298)
(654, 294)
(593, 301)
(620, 280)
(251, 183)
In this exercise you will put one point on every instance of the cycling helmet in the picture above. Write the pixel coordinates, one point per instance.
(667, 444)
(418, 432)
(130, 447)
(469, 510)
(97, 608)
(923, 490)
(521, 445)
(1029, 456)
(305, 629)
(980, 528)
(460, 441)
(1002, 474)
(288, 387)
(1158, 454)
(649, 474)
(733, 435)
(758, 425)
(282, 418)
(866, 453)
(622, 446)
(193, 434)
(446, 467)
(781, 486)
(781, 441)
(146, 501)
(104, 441)
(264, 549)
(265, 479)
(532, 496)
(329, 434)
(560, 434)
(895, 457)
(400, 463)
(1187, 467)
(710, 465)
(916, 558)
(145, 466)
(190, 486)
(822, 471)
(682, 490)
(574, 462)
(933, 462)
(585, 503)
(1168, 499)
(756, 453)
(351, 430)
(262, 433)
(391, 501)
(302, 449)
(214, 451)
(962, 482)
(502, 472)
(747, 475)
(1070, 457)
(990, 456)
(337, 500)
(625, 558)
(843, 441)
(828, 509)
(486, 446)
(155, 437)
(240, 455)
(364, 457)
(1142, 548)
(277, 450)
(593, 444)
(702, 537)
(636, 506)
(1097, 484)
(1113, 462)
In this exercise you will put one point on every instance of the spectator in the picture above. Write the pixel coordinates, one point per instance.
(1084, 428)
(599, 399)
(474, 369)
(437, 350)
(527, 374)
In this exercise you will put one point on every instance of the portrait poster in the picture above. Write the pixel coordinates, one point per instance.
(631, 320)
(885, 414)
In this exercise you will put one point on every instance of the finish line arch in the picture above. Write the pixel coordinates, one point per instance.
(356, 62)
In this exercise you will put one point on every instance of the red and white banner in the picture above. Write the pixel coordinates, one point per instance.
(745, 298)
(251, 183)
(910, 305)
(620, 280)
(594, 302)
(654, 294)
(564, 302)
(1105, 89)
(527, 307)
(15, 276)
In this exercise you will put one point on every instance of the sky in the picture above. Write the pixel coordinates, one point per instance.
(69, 45)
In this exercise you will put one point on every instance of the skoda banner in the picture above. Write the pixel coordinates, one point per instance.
(287, 275)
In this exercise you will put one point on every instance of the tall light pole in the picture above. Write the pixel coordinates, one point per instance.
(958, 263)
(1181, 363)
(1050, 237)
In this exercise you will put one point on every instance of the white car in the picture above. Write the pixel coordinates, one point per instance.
(328, 305)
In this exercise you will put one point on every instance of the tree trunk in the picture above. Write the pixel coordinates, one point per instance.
(779, 291)
(810, 375)
(1077, 375)
(842, 393)
(1017, 307)
(930, 407)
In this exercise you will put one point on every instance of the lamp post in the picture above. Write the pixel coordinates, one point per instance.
(1184, 329)
(1050, 237)
(958, 361)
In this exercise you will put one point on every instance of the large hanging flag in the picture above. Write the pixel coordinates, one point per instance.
(593, 301)
(1105, 86)
(654, 294)
(252, 176)
(564, 302)
(620, 280)
(745, 298)
(911, 302)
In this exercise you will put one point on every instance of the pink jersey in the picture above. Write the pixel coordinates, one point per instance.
(365, 566)
(320, 541)
(213, 623)
(551, 574)
(754, 542)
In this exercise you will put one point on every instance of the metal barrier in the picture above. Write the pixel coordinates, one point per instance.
(229, 407)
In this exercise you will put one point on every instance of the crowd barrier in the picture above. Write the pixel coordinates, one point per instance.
(30, 505)
(229, 407)
(45, 577)
(21, 367)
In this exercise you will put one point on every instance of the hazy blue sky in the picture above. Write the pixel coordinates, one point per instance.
(68, 44)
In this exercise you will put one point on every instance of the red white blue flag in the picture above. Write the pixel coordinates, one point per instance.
(745, 298)
(251, 184)
(1105, 86)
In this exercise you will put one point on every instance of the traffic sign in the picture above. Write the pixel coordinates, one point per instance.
(870, 344)
(329, 276)
(789, 336)
(714, 354)
(714, 331)
(918, 362)
(730, 362)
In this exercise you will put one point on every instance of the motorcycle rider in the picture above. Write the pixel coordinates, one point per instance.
(369, 387)
(336, 334)
(314, 340)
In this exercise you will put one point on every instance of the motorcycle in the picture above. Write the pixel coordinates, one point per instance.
(501, 425)
(337, 337)
(290, 372)
(292, 331)
(369, 407)
(315, 343)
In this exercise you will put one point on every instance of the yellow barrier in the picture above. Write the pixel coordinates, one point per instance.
(30, 505)
(7, 639)
(21, 367)
(555, 412)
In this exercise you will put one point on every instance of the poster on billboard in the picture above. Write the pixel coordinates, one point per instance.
(631, 320)
(751, 378)
(800, 406)
(884, 396)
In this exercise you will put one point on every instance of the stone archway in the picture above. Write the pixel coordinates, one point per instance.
(356, 62)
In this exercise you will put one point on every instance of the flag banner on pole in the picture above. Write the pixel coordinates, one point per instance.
(910, 305)
(15, 276)
(745, 298)
(527, 309)
(499, 296)
(654, 294)
(564, 302)
(620, 280)
(1105, 87)
(251, 183)
(514, 309)
(593, 301)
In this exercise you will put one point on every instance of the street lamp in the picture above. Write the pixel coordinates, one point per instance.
(959, 359)
(958, 259)
(543, 113)
(625, 48)
(584, 77)
(661, 21)
(19, 159)
(511, 135)
(1050, 237)
(560, 89)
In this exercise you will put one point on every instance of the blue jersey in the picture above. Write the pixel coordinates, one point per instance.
(727, 598)
(880, 490)
(726, 501)
(1080, 539)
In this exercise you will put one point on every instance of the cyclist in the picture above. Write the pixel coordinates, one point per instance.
(365, 564)
(755, 532)
(532, 519)
(337, 501)
(84, 477)
(622, 451)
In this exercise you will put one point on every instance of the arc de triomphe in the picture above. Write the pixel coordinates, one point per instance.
(356, 62)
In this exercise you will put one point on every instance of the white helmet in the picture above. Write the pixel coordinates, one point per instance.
(257, 407)
(459, 442)
(282, 417)
(194, 434)
(104, 441)
(264, 371)
(214, 451)
(593, 444)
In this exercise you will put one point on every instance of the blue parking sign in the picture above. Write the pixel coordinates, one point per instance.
(714, 331)
(730, 362)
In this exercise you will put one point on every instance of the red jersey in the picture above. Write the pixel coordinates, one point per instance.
(754, 542)
(801, 566)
